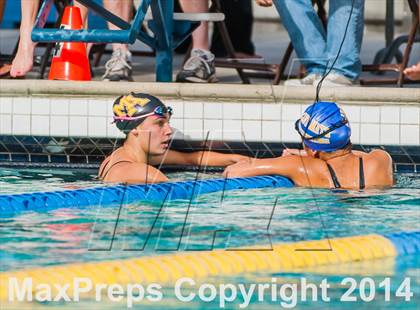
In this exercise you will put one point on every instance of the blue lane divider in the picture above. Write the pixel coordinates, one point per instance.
(406, 243)
(122, 194)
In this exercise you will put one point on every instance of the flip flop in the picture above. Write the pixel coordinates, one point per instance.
(5, 72)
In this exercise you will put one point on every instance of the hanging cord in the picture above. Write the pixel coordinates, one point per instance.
(319, 86)
(318, 89)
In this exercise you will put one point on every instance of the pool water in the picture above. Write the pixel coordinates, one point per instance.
(241, 219)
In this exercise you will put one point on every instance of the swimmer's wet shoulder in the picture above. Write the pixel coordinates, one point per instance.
(328, 160)
(145, 121)
(346, 170)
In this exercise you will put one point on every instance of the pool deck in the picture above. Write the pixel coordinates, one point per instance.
(269, 38)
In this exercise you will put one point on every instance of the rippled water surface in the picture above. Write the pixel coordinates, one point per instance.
(241, 218)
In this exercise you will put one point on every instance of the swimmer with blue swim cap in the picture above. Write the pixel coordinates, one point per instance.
(144, 119)
(324, 127)
(327, 159)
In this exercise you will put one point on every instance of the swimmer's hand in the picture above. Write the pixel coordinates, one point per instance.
(220, 159)
(265, 3)
(285, 166)
(241, 159)
(239, 169)
(296, 152)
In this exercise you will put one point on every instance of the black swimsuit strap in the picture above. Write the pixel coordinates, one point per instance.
(337, 184)
(114, 164)
(361, 174)
(333, 176)
(103, 169)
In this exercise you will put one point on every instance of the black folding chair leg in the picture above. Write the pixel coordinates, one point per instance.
(227, 41)
(282, 67)
(45, 60)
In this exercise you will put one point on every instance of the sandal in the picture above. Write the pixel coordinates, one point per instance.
(5, 71)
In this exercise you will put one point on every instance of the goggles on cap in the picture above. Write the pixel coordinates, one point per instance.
(160, 111)
(323, 134)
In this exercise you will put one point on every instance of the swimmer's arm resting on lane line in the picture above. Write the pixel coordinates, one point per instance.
(138, 173)
(288, 166)
(201, 158)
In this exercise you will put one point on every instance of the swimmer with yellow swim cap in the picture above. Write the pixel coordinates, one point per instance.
(145, 121)
(327, 160)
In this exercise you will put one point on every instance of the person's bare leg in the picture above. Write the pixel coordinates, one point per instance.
(84, 13)
(200, 36)
(23, 61)
(2, 5)
(118, 67)
(124, 10)
(413, 72)
(199, 68)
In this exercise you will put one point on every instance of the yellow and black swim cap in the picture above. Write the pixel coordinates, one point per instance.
(131, 110)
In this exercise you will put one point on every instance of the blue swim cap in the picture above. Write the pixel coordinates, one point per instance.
(324, 127)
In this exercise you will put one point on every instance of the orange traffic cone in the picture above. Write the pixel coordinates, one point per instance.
(70, 61)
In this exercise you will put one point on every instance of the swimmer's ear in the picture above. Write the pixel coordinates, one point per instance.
(135, 132)
(311, 152)
(315, 154)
